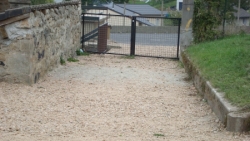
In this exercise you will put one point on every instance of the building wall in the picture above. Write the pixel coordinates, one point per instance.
(119, 20)
(155, 21)
(242, 22)
(177, 4)
(114, 20)
(31, 47)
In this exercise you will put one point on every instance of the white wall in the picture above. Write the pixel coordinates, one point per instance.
(243, 22)
(56, 1)
(177, 4)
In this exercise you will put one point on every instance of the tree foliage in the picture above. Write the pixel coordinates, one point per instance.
(35, 2)
(245, 4)
(208, 16)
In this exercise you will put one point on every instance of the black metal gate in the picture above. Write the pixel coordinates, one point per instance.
(131, 35)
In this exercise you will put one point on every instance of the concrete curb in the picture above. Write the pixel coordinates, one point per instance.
(234, 118)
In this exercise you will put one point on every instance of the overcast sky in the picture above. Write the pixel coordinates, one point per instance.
(58, 0)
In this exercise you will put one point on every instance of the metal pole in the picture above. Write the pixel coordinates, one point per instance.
(224, 20)
(238, 18)
(178, 39)
(124, 10)
(83, 19)
(133, 32)
(161, 12)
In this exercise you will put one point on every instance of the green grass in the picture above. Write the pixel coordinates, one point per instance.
(72, 60)
(226, 64)
(159, 135)
(128, 57)
(155, 4)
(80, 53)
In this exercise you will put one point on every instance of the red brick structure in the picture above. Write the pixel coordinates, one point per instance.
(102, 38)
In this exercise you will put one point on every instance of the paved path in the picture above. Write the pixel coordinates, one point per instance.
(159, 39)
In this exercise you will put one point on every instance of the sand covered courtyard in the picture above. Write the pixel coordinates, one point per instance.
(110, 98)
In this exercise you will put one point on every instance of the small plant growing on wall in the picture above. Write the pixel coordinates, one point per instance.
(80, 52)
(62, 61)
(72, 59)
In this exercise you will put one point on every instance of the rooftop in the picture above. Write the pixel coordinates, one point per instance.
(121, 11)
(243, 13)
(141, 9)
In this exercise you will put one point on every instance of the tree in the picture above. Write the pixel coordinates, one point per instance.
(35, 2)
(245, 4)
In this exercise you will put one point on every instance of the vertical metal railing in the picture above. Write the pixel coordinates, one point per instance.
(141, 36)
(133, 32)
(178, 39)
(82, 39)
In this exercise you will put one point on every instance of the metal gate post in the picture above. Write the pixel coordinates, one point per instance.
(132, 41)
(178, 40)
(83, 19)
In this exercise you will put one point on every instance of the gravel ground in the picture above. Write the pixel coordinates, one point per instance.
(110, 98)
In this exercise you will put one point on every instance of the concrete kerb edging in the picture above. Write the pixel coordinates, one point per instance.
(234, 118)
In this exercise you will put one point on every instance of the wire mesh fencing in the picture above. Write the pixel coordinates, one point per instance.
(117, 34)
(161, 39)
(132, 35)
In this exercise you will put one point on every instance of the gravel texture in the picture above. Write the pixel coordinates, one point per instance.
(110, 98)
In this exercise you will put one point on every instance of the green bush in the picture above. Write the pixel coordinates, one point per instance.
(72, 60)
(79, 52)
(62, 61)
(36, 2)
(209, 16)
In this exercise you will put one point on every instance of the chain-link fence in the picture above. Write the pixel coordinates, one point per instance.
(131, 35)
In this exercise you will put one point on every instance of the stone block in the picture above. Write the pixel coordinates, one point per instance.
(238, 121)
(3, 33)
(2, 57)
(34, 45)
(234, 118)
(25, 24)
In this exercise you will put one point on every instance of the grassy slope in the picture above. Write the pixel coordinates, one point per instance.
(226, 64)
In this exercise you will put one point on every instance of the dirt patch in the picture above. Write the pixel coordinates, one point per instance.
(106, 97)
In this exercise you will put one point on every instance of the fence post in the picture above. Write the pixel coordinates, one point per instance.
(133, 32)
(178, 40)
(224, 18)
(186, 24)
(83, 19)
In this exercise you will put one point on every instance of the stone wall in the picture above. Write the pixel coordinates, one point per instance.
(31, 47)
(4, 5)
